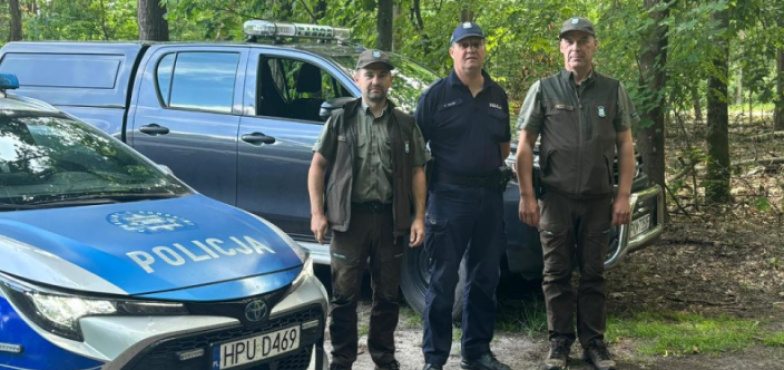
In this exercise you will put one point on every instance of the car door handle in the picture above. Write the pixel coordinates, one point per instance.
(154, 129)
(257, 138)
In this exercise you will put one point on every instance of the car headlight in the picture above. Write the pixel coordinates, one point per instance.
(59, 312)
(307, 271)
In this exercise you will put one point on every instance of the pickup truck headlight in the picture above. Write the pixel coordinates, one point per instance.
(59, 312)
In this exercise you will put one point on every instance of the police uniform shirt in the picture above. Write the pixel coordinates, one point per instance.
(372, 155)
(465, 132)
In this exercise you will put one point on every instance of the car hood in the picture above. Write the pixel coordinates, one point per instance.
(145, 247)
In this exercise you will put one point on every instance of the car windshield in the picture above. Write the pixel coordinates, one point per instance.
(410, 79)
(48, 161)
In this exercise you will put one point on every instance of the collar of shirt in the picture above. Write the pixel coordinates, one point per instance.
(454, 80)
(369, 113)
(569, 76)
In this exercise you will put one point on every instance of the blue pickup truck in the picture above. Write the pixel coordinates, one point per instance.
(237, 120)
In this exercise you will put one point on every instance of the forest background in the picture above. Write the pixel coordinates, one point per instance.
(709, 73)
(706, 76)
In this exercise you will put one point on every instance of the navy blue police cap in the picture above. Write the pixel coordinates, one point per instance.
(466, 29)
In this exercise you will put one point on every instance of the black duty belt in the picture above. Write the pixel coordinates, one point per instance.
(488, 181)
(372, 206)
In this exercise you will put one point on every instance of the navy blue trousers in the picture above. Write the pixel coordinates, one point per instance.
(462, 222)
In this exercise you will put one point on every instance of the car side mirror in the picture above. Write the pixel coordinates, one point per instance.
(166, 169)
(328, 106)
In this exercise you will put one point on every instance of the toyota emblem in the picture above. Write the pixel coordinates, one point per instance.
(255, 310)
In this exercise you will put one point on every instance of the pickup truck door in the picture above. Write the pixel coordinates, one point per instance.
(185, 113)
(280, 124)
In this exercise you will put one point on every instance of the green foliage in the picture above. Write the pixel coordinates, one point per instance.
(82, 20)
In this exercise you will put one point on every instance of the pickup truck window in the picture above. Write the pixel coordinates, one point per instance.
(410, 79)
(53, 160)
(163, 76)
(95, 71)
(291, 88)
(198, 80)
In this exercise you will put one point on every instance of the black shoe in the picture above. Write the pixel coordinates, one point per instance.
(598, 355)
(433, 367)
(484, 362)
(394, 365)
(558, 356)
(334, 366)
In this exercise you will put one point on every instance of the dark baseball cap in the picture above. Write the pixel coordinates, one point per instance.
(577, 24)
(372, 56)
(466, 29)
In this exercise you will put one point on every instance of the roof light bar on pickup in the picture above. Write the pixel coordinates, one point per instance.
(285, 29)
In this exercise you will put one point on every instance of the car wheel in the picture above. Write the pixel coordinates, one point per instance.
(415, 280)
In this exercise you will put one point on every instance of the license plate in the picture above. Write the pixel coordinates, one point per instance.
(254, 349)
(639, 225)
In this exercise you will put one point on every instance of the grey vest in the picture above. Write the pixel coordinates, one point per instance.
(578, 135)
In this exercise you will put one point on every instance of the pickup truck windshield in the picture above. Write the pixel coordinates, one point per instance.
(53, 161)
(410, 79)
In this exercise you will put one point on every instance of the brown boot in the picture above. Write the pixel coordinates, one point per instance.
(558, 355)
(598, 355)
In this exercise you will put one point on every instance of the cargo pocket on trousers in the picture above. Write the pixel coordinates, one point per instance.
(556, 251)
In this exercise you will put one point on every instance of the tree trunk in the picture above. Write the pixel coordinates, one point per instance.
(152, 25)
(695, 97)
(416, 15)
(778, 116)
(466, 15)
(319, 10)
(16, 21)
(717, 181)
(653, 77)
(384, 21)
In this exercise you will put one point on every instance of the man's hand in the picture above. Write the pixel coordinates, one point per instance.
(529, 210)
(417, 233)
(621, 210)
(319, 226)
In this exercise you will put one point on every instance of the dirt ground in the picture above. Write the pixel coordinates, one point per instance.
(697, 267)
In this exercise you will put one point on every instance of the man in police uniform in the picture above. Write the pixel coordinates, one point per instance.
(465, 117)
(375, 155)
(583, 117)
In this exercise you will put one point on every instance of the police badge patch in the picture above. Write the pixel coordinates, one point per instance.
(601, 111)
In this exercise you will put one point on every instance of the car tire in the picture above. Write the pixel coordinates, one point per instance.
(415, 280)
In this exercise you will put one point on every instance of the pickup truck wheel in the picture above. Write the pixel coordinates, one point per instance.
(415, 280)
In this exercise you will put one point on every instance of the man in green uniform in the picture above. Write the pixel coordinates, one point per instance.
(583, 118)
(374, 155)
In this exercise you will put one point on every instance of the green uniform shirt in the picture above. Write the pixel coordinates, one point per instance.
(373, 155)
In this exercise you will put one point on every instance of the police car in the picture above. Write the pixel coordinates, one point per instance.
(107, 261)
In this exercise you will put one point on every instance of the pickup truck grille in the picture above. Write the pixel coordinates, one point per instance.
(163, 355)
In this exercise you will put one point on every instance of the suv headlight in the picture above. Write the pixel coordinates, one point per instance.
(59, 312)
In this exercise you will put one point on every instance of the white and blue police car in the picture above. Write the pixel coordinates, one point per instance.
(107, 261)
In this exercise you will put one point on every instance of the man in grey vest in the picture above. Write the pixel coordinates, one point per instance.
(583, 118)
(374, 154)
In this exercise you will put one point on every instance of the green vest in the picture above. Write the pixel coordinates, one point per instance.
(578, 137)
(340, 181)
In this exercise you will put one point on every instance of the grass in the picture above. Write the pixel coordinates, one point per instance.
(679, 334)
(529, 317)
